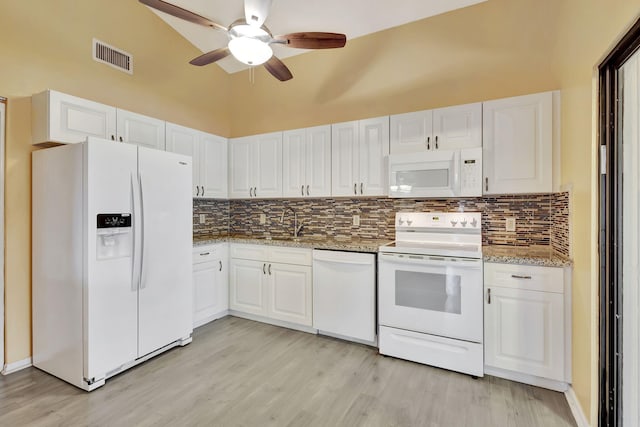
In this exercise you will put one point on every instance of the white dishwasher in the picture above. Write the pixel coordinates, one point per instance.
(344, 295)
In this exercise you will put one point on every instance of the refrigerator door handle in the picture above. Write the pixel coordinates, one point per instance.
(142, 282)
(135, 264)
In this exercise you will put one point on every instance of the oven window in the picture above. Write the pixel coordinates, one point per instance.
(428, 178)
(428, 291)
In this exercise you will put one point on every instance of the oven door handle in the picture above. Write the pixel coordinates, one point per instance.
(430, 260)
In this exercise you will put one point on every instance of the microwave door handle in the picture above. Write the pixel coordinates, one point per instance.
(456, 173)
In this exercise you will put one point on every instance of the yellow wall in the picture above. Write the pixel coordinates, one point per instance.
(47, 44)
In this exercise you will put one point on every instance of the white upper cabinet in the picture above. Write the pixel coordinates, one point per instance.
(135, 128)
(306, 155)
(359, 157)
(255, 164)
(66, 119)
(518, 144)
(212, 151)
(209, 154)
(447, 128)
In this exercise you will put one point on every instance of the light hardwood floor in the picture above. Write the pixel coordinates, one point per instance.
(243, 373)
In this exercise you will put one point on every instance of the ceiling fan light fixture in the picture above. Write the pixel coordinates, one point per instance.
(250, 51)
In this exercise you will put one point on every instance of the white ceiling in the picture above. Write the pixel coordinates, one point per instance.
(354, 18)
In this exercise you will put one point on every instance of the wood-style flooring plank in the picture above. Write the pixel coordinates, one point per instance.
(243, 373)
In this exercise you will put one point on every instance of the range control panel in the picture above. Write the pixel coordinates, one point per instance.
(447, 220)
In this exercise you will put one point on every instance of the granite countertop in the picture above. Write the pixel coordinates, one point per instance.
(350, 245)
(543, 256)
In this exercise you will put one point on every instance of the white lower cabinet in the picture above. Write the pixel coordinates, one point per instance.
(210, 283)
(527, 324)
(272, 283)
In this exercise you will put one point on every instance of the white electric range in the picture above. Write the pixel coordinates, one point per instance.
(430, 305)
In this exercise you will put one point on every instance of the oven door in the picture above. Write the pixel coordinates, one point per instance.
(431, 294)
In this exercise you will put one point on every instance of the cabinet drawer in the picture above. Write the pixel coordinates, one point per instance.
(526, 277)
(254, 252)
(208, 253)
(285, 255)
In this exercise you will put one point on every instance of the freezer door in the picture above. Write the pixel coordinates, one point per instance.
(110, 296)
(165, 303)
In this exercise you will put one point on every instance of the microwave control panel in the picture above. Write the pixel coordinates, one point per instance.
(471, 172)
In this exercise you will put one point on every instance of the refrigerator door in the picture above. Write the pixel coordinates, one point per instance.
(165, 303)
(110, 296)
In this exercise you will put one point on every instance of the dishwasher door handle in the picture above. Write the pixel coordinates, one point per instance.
(336, 261)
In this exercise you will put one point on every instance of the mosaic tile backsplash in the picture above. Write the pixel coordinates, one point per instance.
(541, 219)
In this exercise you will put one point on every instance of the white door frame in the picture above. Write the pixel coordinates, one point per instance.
(631, 241)
(3, 111)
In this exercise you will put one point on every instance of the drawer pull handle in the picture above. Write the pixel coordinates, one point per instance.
(516, 276)
(220, 265)
(204, 253)
(264, 267)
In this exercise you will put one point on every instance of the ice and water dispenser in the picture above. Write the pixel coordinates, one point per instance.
(114, 236)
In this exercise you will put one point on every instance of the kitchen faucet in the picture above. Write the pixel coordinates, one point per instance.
(296, 227)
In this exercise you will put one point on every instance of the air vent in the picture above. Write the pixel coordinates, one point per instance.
(112, 56)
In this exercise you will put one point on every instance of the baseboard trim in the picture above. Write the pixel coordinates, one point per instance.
(208, 319)
(527, 379)
(262, 319)
(10, 368)
(576, 408)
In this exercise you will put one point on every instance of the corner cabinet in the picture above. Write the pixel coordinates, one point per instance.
(209, 153)
(306, 162)
(359, 152)
(447, 128)
(272, 284)
(210, 283)
(518, 144)
(528, 324)
(255, 164)
(66, 119)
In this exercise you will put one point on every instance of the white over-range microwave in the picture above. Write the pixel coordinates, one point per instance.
(443, 173)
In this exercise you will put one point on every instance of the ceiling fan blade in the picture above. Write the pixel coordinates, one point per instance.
(181, 13)
(309, 40)
(256, 11)
(211, 57)
(278, 69)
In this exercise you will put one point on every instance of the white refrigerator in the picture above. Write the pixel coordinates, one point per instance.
(111, 246)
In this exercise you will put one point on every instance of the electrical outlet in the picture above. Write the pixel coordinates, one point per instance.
(510, 224)
(356, 220)
(263, 219)
(203, 218)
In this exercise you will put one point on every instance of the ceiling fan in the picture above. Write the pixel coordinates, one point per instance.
(249, 40)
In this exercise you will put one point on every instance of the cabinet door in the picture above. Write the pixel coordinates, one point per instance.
(524, 332)
(205, 300)
(222, 282)
(318, 162)
(457, 127)
(267, 165)
(240, 173)
(293, 163)
(248, 286)
(141, 130)
(212, 151)
(345, 159)
(290, 293)
(411, 132)
(374, 152)
(517, 144)
(58, 117)
(183, 140)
